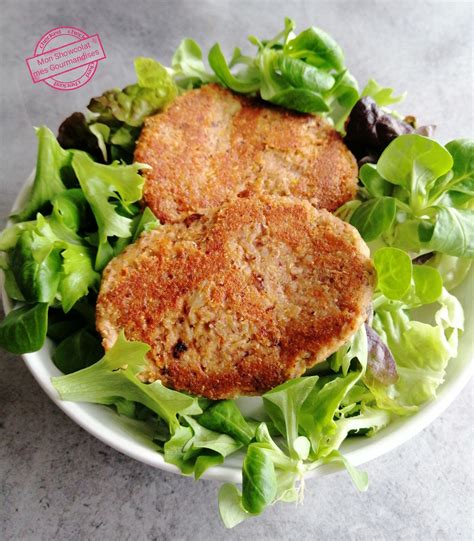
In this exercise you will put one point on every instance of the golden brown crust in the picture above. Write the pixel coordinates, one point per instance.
(211, 145)
(242, 299)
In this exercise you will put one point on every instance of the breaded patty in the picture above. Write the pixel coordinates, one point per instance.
(241, 299)
(211, 145)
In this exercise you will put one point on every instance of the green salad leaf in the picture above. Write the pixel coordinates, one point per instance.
(24, 329)
(188, 66)
(383, 96)
(230, 505)
(394, 272)
(450, 232)
(78, 275)
(114, 119)
(419, 197)
(376, 185)
(421, 351)
(105, 187)
(399, 280)
(226, 418)
(46, 266)
(194, 448)
(218, 63)
(79, 350)
(51, 162)
(147, 222)
(453, 270)
(283, 405)
(374, 217)
(154, 89)
(460, 180)
(354, 348)
(36, 265)
(319, 411)
(305, 72)
(259, 482)
(318, 47)
(116, 376)
(414, 162)
(428, 284)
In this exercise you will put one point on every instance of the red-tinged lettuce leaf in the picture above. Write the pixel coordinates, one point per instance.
(380, 362)
(369, 130)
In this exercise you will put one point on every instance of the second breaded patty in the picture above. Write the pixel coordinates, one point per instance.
(240, 300)
(211, 145)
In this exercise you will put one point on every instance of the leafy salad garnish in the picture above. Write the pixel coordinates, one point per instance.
(304, 72)
(79, 215)
(414, 208)
(114, 119)
(418, 196)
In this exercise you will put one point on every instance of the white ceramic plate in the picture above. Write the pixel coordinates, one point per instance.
(107, 426)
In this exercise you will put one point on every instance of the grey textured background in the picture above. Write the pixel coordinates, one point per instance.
(56, 481)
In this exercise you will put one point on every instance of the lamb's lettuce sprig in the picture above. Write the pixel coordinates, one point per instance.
(304, 72)
(419, 197)
(313, 416)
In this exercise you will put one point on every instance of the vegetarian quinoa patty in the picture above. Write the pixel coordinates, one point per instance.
(211, 145)
(241, 299)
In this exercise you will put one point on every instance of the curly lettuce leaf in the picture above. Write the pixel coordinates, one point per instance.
(369, 420)
(110, 191)
(78, 275)
(453, 270)
(382, 96)
(116, 376)
(421, 352)
(50, 163)
(100, 183)
(154, 89)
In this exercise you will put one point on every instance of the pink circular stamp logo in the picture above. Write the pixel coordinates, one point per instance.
(65, 58)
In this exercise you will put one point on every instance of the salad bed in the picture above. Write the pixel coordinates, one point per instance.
(414, 208)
